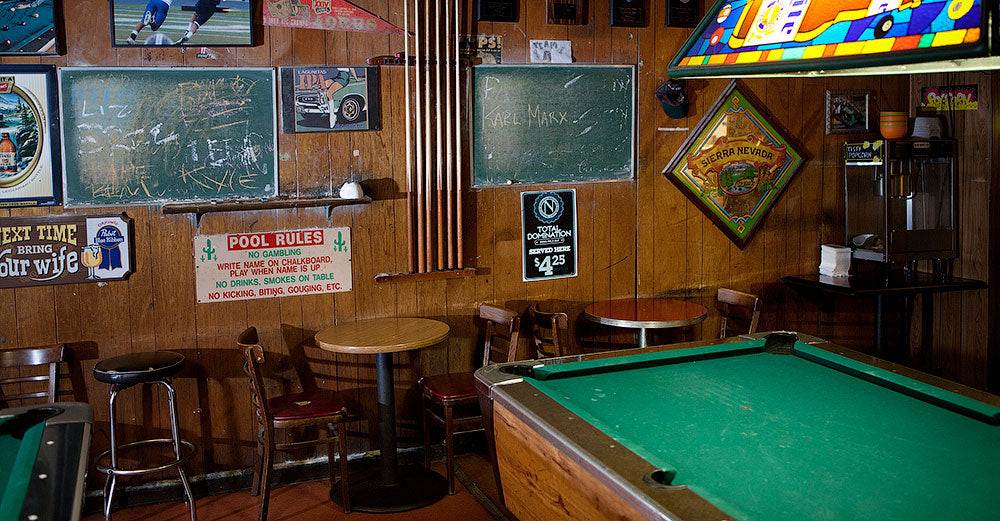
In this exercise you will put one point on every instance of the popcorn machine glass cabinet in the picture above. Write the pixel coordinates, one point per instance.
(899, 200)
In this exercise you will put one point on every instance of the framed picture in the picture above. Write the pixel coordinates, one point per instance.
(848, 111)
(28, 27)
(191, 23)
(29, 136)
(329, 98)
(735, 164)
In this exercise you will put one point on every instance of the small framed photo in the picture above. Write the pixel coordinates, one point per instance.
(190, 23)
(848, 111)
(28, 28)
(30, 171)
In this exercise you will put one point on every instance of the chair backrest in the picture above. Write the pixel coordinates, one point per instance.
(736, 308)
(548, 331)
(33, 356)
(253, 359)
(504, 325)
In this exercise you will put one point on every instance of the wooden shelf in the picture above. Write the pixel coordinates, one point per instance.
(425, 276)
(249, 205)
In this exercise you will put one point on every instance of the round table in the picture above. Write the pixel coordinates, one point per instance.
(392, 488)
(645, 313)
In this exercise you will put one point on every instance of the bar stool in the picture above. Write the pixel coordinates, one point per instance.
(123, 372)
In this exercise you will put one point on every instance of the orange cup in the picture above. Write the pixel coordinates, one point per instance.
(892, 125)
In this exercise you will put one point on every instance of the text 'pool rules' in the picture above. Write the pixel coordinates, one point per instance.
(548, 225)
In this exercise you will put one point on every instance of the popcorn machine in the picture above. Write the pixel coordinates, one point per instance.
(900, 201)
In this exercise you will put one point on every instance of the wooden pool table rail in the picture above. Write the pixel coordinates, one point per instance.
(550, 462)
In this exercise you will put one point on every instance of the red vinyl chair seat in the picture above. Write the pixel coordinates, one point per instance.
(451, 386)
(311, 404)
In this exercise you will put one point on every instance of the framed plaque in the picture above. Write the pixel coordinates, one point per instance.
(628, 13)
(566, 12)
(496, 11)
(682, 13)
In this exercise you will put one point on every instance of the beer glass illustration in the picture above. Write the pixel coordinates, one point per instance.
(92, 258)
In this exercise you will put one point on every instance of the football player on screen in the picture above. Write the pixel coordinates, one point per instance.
(156, 12)
(203, 10)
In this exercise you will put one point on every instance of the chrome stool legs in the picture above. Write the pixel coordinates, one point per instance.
(183, 450)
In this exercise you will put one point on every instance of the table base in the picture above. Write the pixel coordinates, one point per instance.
(416, 487)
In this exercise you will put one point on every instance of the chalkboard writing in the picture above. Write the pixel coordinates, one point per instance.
(542, 124)
(142, 136)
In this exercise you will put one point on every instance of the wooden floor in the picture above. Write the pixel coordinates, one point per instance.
(310, 502)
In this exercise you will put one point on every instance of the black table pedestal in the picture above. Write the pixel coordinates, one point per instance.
(389, 487)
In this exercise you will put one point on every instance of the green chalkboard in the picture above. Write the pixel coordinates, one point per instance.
(552, 123)
(144, 135)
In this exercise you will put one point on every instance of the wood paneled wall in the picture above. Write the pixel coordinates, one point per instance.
(637, 237)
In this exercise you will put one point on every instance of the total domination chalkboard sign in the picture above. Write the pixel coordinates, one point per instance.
(548, 223)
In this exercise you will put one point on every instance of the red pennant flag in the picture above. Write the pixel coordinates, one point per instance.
(331, 15)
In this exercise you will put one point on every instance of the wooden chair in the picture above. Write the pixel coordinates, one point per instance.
(311, 408)
(32, 356)
(450, 391)
(736, 306)
(548, 331)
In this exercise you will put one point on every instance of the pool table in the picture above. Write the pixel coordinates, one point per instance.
(767, 427)
(44, 461)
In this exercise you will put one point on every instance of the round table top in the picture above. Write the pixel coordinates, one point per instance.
(649, 312)
(382, 335)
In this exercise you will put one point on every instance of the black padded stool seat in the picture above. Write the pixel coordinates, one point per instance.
(137, 368)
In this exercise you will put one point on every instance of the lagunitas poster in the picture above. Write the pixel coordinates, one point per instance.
(69, 249)
(240, 266)
(325, 99)
(331, 15)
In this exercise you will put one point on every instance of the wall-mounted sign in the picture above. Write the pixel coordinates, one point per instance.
(735, 164)
(566, 12)
(548, 225)
(29, 136)
(496, 11)
(67, 249)
(331, 15)
(325, 99)
(957, 97)
(864, 153)
(550, 51)
(628, 13)
(240, 266)
(481, 48)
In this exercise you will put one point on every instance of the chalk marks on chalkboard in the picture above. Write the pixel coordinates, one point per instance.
(542, 124)
(141, 135)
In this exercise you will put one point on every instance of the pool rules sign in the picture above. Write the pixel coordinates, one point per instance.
(548, 223)
(243, 266)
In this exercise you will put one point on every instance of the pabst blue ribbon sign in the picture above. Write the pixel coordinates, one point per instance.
(69, 249)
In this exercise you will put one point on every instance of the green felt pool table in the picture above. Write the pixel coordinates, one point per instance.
(748, 428)
(44, 461)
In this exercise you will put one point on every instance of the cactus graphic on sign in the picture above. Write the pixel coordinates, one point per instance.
(208, 250)
(340, 243)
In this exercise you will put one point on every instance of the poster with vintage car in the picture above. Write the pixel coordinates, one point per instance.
(29, 136)
(735, 164)
(329, 98)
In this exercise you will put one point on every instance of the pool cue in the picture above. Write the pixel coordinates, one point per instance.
(409, 161)
(418, 132)
(428, 181)
(458, 142)
(438, 64)
(450, 155)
